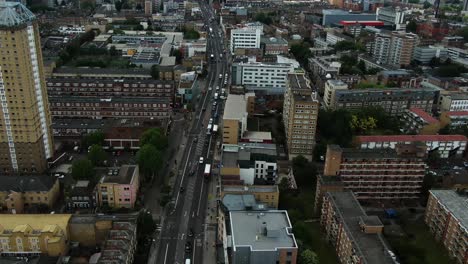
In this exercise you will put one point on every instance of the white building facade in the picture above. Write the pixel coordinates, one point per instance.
(245, 38)
(262, 77)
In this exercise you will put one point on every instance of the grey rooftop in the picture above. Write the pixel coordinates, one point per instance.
(455, 203)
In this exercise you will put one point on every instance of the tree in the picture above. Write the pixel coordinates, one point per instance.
(411, 26)
(301, 52)
(150, 160)
(263, 18)
(154, 137)
(155, 72)
(138, 27)
(345, 45)
(113, 52)
(94, 138)
(178, 54)
(309, 257)
(190, 33)
(118, 5)
(283, 185)
(97, 155)
(426, 5)
(139, 6)
(82, 170)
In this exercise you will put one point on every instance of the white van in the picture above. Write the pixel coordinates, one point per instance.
(187, 261)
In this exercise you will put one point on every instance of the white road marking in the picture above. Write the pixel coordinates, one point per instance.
(183, 175)
(199, 199)
(165, 255)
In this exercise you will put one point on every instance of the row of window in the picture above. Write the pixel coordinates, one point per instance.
(110, 85)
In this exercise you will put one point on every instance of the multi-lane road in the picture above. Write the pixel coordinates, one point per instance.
(182, 231)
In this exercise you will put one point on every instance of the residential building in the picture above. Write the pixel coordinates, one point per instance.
(333, 37)
(447, 218)
(265, 78)
(120, 245)
(446, 145)
(274, 45)
(110, 98)
(416, 121)
(355, 27)
(266, 194)
(23, 235)
(357, 237)
(25, 136)
(300, 113)
(119, 188)
(20, 193)
(434, 30)
(324, 65)
(378, 174)
(457, 53)
(187, 88)
(381, 50)
(148, 7)
(258, 237)
(392, 16)
(335, 16)
(393, 100)
(101, 73)
(424, 55)
(453, 41)
(453, 101)
(235, 114)
(81, 196)
(402, 47)
(454, 118)
(245, 38)
(255, 162)
(326, 184)
(331, 86)
(398, 78)
(455, 179)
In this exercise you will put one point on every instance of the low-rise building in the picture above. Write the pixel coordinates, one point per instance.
(378, 174)
(331, 86)
(274, 46)
(82, 196)
(446, 145)
(334, 16)
(266, 194)
(258, 237)
(322, 66)
(453, 101)
(424, 55)
(120, 244)
(357, 237)
(236, 110)
(333, 37)
(416, 121)
(119, 187)
(454, 118)
(19, 193)
(23, 235)
(245, 38)
(447, 218)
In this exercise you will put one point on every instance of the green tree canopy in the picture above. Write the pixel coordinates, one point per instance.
(190, 33)
(347, 45)
(263, 18)
(82, 170)
(97, 155)
(113, 51)
(309, 257)
(411, 26)
(301, 52)
(154, 137)
(150, 160)
(94, 138)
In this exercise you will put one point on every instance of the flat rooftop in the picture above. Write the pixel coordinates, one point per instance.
(385, 153)
(371, 247)
(250, 188)
(242, 202)
(124, 175)
(261, 230)
(236, 107)
(455, 203)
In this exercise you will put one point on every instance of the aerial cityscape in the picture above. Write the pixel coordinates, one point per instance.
(233, 132)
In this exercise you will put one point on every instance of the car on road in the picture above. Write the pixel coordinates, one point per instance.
(201, 160)
(210, 88)
(215, 103)
(211, 121)
(195, 139)
(190, 232)
(188, 246)
(182, 189)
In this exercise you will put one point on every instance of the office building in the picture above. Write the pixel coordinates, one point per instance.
(402, 48)
(300, 113)
(447, 218)
(393, 100)
(25, 137)
(416, 121)
(119, 187)
(333, 37)
(335, 16)
(236, 110)
(446, 145)
(20, 193)
(424, 55)
(265, 78)
(23, 235)
(392, 16)
(266, 194)
(245, 38)
(378, 174)
(259, 237)
(357, 237)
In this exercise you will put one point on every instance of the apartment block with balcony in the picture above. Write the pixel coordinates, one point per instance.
(110, 98)
(446, 145)
(454, 118)
(416, 121)
(23, 235)
(402, 48)
(393, 100)
(447, 218)
(331, 86)
(357, 237)
(300, 113)
(19, 193)
(119, 187)
(378, 174)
